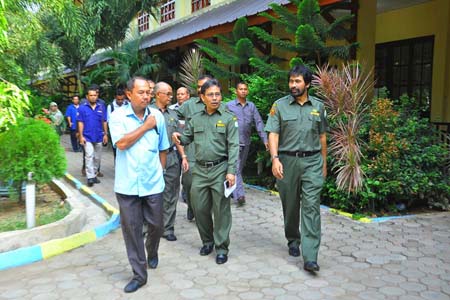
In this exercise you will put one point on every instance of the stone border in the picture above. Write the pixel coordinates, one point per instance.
(337, 211)
(45, 250)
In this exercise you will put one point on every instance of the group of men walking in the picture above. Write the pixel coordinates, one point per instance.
(208, 143)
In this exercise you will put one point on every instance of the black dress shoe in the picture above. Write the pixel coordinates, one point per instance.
(90, 182)
(133, 286)
(221, 259)
(190, 214)
(95, 179)
(311, 266)
(206, 249)
(170, 237)
(294, 251)
(153, 262)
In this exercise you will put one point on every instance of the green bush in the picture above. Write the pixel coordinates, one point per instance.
(404, 162)
(31, 146)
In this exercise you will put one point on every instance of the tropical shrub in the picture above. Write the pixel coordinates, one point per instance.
(403, 161)
(14, 103)
(31, 146)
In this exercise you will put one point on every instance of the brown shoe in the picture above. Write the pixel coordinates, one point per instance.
(241, 201)
(99, 174)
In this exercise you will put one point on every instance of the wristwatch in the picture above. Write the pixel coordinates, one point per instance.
(275, 156)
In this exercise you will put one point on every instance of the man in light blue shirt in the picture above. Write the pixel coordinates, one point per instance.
(140, 136)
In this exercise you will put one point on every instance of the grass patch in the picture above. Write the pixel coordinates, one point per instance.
(52, 213)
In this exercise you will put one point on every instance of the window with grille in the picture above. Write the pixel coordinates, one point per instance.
(405, 67)
(199, 4)
(143, 21)
(167, 10)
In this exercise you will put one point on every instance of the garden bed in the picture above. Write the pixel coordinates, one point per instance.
(50, 207)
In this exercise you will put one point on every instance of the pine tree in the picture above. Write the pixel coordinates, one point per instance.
(310, 33)
(237, 51)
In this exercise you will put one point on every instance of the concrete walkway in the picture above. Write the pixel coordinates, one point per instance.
(404, 259)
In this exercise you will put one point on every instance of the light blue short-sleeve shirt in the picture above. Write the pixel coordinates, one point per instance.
(138, 168)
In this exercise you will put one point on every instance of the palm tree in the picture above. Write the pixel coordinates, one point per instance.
(129, 61)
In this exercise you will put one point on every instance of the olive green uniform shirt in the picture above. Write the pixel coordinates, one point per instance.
(215, 136)
(298, 126)
(172, 125)
(185, 112)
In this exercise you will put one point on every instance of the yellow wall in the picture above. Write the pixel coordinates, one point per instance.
(366, 30)
(430, 18)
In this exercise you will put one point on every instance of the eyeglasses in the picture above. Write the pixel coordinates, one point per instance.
(168, 93)
(211, 95)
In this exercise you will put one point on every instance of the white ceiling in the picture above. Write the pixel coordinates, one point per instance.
(386, 5)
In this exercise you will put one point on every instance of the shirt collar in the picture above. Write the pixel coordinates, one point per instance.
(292, 100)
(130, 112)
(237, 103)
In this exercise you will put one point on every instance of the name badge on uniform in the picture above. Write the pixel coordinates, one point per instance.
(314, 112)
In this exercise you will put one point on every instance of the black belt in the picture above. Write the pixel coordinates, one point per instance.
(300, 153)
(171, 149)
(209, 164)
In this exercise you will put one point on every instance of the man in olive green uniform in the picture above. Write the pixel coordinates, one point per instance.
(163, 96)
(185, 113)
(214, 131)
(297, 141)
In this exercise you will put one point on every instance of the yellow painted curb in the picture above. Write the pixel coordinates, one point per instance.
(349, 215)
(87, 190)
(110, 208)
(58, 246)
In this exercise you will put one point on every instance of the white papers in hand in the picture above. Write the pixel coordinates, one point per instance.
(228, 190)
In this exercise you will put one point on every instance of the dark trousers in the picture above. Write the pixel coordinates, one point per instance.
(74, 141)
(133, 211)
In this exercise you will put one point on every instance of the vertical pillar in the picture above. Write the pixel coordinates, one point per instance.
(366, 29)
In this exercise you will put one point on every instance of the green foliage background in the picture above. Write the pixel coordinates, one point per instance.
(31, 146)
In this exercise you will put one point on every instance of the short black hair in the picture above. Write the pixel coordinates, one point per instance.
(204, 76)
(302, 70)
(94, 88)
(120, 92)
(241, 82)
(210, 83)
(130, 83)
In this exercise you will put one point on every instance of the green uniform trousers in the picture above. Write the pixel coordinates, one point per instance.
(171, 191)
(207, 197)
(186, 181)
(300, 196)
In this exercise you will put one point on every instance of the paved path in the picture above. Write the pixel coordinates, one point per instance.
(404, 259)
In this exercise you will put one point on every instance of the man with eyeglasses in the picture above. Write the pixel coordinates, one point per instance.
(172, 172)
(185, 113)
(214, 131)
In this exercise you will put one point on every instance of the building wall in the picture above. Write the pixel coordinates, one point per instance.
(430, 18)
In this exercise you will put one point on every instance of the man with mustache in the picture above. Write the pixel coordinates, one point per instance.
(297, 128)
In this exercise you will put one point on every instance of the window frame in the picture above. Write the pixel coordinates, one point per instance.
(397, 63)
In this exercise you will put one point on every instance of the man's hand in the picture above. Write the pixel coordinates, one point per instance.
(231, 179)
(105, 139)
(184, 165)
(277, 168)
(150, 122)
(176, 138)
(324, 170)
(82, 140)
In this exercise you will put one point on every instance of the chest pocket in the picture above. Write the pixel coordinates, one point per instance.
(289, 118)
(221, 129)
(314, 122)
